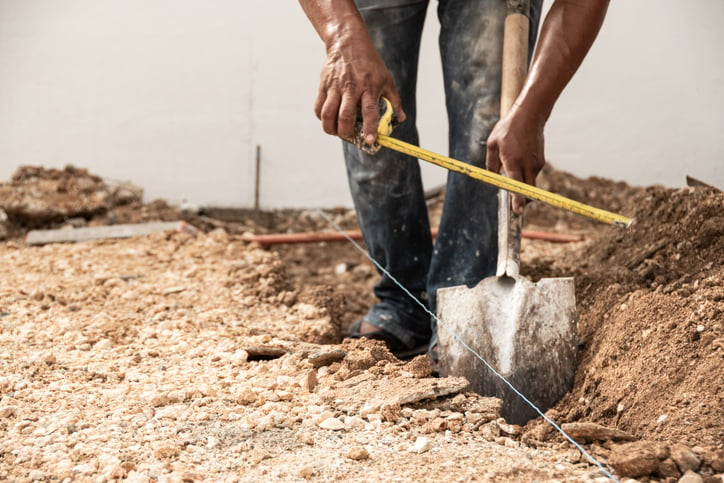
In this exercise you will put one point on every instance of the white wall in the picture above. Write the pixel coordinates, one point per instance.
(174, 95)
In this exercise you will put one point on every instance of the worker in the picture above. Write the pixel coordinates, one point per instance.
(372, 49)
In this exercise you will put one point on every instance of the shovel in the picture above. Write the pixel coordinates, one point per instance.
(526, 331)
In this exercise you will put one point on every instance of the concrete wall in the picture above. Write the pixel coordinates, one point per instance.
(175, 95)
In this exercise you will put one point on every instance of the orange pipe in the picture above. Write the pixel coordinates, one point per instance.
(324, 236)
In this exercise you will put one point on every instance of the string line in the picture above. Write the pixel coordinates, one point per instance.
(471, 350)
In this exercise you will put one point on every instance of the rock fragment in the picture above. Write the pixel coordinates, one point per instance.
(357, 453)
(332, 424)
(684, 458)
(422, 445)
(634, 459)
(588, 432)
(715, 459)
(668, 469)
(691, 477)
(7, 411)
(326, 358)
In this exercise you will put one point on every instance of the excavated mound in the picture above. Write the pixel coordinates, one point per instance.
(650, 303)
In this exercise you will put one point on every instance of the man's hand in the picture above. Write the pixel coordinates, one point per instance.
(516, 147)
(516, 143)
(354, 76)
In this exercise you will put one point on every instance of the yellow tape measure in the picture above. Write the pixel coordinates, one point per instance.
(383, 139)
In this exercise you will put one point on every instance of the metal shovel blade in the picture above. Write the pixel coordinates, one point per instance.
(525, 330)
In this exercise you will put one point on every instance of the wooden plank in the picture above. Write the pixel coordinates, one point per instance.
(42, 237)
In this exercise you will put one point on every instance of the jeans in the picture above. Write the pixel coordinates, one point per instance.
(386, 187)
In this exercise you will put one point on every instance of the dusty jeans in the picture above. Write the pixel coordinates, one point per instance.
(387, 189)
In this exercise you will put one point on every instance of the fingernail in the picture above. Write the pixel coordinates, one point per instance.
(370, 139)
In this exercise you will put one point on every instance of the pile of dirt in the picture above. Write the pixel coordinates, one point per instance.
(36, 196)
(246, 323)
(651, 310)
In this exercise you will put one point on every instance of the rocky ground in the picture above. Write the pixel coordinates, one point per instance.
(199, 356)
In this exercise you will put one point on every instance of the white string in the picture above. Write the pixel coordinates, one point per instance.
(487, 364)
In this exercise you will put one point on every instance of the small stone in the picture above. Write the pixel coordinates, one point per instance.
(103, 344)
(357, 453)
(668, 469)
(390, 412)
(700, 328)
(309, 381)
(684, 458)
(340, 268)
(455, 422)
(419, 367)
(158, 400)
(168, 412)
(368, 409)
(36, 475)
(437, 425)
(715, 459)
(422, 445)
(354, 422)
(662, 418)
(239, 357)
(634, 459)
(510, 429)
(307, 472)
(332, 424)
(691, 477)
(49, 358)
(191, 477)
(326, 358)
(7, 411)
(586, 431)
(246, 396)
(305, 437)
(168, 451)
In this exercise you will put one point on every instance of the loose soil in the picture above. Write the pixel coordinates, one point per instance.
(192, 357)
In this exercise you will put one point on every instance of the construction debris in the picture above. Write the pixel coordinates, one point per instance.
(41, 237)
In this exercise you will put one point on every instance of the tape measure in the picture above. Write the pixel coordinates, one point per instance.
(388, 120)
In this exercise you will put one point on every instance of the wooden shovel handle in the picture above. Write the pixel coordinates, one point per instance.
(515, 59)
(515, 67)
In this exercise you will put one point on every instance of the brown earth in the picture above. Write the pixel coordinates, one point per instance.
(181, 357)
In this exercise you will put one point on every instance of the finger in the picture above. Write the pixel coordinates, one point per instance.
(519, 203)
(319, 102)
(347, 117)
(329, 112)
(492, 157)
(370, 117)
(394, 98)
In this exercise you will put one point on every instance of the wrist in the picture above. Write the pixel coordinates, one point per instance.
(345, 30)
(532, 117)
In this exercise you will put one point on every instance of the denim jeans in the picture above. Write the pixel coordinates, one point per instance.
(386, 187)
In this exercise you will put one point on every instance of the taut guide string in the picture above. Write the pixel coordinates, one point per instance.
(487, 364)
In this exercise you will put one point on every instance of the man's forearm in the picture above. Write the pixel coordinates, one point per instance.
(566, 36)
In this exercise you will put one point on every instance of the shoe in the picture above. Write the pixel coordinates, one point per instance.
(395, 345)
